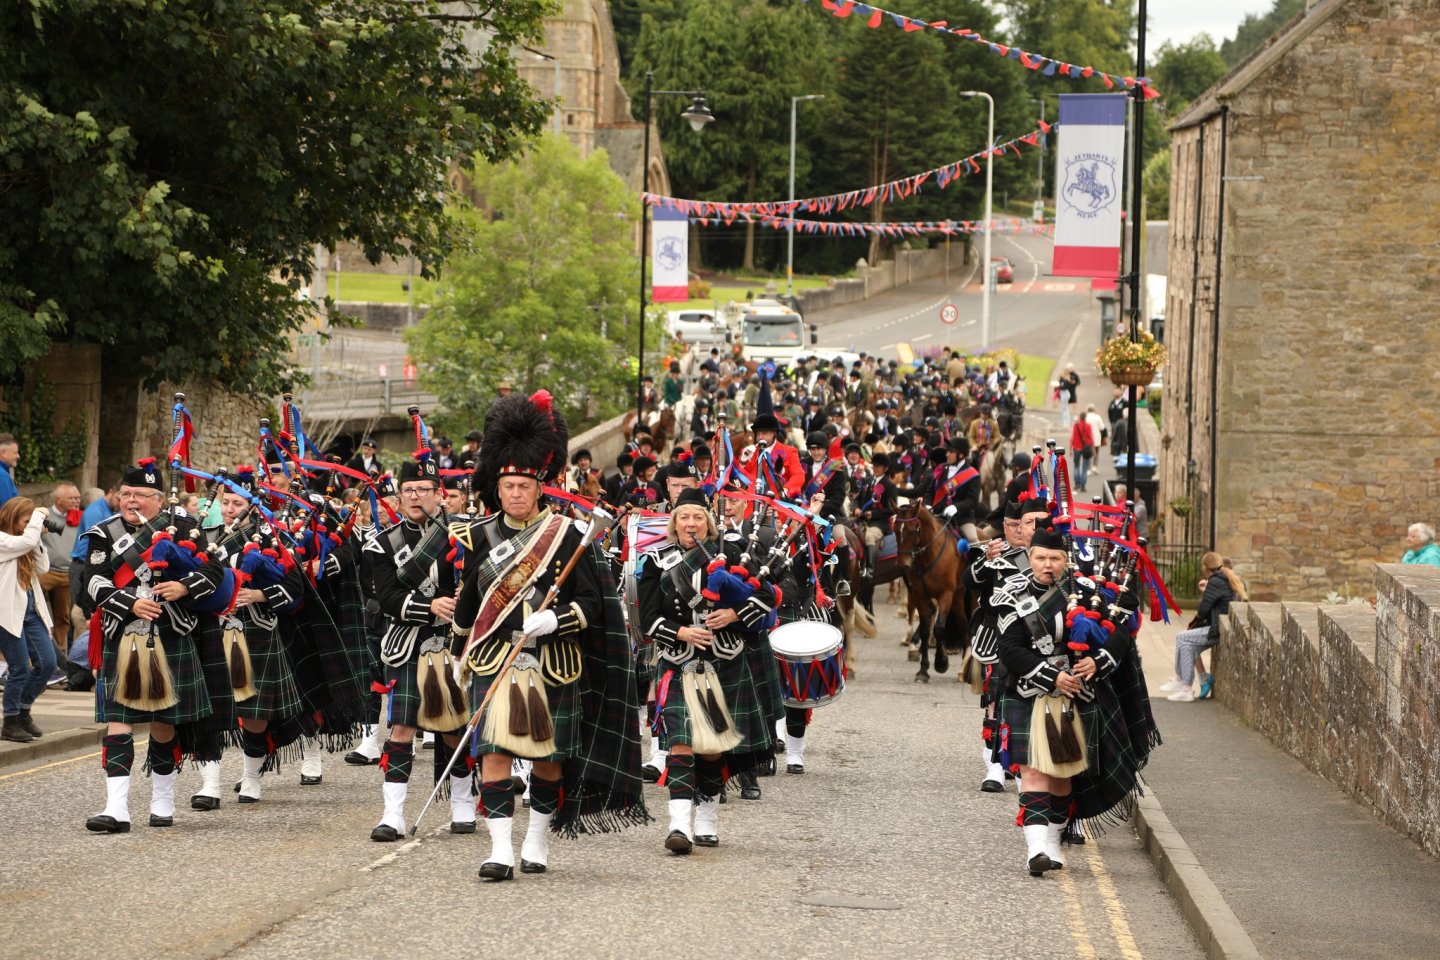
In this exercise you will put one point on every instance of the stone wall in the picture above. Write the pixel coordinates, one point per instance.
(1327, 411)
(226, 425)
(1351, 692)
(869, 281)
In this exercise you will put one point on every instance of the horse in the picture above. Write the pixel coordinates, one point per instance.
(853, 616)
(995, 472)
(662, 428)
(591, 489)
(933, 568)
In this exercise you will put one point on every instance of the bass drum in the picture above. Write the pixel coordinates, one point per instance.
(811, 656)
(631, 605)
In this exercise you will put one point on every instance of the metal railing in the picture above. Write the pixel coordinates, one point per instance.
(1179, 566)
(363, 399)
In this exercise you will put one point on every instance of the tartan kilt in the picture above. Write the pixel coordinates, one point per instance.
(1014, 711)
(185, 668)
(765, 677)
(276, 695)
(564, 700)
(742, 695)
(1108, 786)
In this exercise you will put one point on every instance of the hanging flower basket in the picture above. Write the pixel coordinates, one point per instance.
(1132, 376)
(1131, 363)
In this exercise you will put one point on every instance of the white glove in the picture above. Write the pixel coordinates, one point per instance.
(539, 624)
(949, 512)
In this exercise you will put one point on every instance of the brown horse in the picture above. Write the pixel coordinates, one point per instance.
(662, 428)
(995, 471)
(925, 549)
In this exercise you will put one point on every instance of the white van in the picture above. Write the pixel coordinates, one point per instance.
(696, 326)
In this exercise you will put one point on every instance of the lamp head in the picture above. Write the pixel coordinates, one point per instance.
(698, 113)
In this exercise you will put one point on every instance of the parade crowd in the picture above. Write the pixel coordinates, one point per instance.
(534, 621)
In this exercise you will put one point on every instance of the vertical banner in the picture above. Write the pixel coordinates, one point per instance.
(1089, 166)
(669, 256)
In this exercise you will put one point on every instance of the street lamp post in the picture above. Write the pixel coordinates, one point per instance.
(989, 198)
(1136, 198)
(698, 113)
(1039, 212)
(790, 228)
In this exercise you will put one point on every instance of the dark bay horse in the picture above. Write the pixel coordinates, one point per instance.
(933, 568)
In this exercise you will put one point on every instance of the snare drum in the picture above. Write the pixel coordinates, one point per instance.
(812, 663)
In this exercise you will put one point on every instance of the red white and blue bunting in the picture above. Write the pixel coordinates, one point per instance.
(874, 17)
(910, 228)
(840, 202)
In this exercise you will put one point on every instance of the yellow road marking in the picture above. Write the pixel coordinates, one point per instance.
(1114, 909)
(61, 763)
(1079, 931)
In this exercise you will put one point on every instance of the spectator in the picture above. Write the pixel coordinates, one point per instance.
(1420, 539)
(100, 505)
(366, 460)
(62, 529)
(1219, 586)
(1098, 426)
(1069, 394)
(1142, 513)
(9, 456)
(1082, 445)
(24, 616)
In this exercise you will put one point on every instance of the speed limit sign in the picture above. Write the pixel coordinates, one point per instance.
(949, 313)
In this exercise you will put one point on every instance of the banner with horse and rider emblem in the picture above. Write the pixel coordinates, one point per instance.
(1089, 167)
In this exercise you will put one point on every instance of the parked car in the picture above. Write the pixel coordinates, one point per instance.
(696, 326)
(1004, 273)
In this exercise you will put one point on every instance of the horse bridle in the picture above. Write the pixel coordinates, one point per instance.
(919, 551)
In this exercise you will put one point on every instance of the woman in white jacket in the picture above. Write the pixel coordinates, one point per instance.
(24, 615)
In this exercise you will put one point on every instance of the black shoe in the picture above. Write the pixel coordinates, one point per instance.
(15, 733)
(706, 840)
(306, 781)
(678, 843)
(517, 784)
(991, 786)
(28, 725)
(749, 789)
(103, 823)
(202, 802)
(1056, 865)
(1039, 864)
(490, 870)
(158, 821)
(527, 867)
(1075, 837)
(766, 768)
(462, 826)
(794, 768)
(649, 774)
(357, 759)
(245, 799)
(384, 833)
(779, 745)
(722, 797)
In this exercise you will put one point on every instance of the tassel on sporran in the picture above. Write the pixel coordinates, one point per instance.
(145, 680)
(442, 702)
(1057, 737)
(711, 728)
(518, 720)
(972, 673)
(237, 656)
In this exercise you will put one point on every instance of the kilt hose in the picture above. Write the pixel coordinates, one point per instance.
(185, 668)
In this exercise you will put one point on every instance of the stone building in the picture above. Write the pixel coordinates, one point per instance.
(1302, 411)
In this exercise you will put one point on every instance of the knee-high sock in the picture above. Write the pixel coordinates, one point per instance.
(497, 799)
(117, 755)
(164, 756)
(1035, 809)
(680, 775)
(396, 760)
(709, 778)
(254, 744)
(544, 795)
(796, 720)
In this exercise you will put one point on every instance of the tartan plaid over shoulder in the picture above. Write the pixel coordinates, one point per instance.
(603, 789)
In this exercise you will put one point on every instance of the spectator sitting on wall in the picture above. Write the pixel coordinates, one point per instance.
(1420, 539)
(1219, 586)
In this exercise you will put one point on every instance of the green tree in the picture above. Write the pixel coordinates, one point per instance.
(1095, 33)
(1255, 29)
(1184, 71)
(1155, 182)
(750, 58)
(544, 294)
(167, 167)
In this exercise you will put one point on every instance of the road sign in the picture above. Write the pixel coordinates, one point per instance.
(949, 313)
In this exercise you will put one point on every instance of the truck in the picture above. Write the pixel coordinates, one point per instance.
(768, 330)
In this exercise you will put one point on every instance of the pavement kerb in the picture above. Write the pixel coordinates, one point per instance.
(53, 744)
(1215, 925)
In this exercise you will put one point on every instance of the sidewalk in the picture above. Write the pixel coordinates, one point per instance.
(1306, 871)
(68, 722)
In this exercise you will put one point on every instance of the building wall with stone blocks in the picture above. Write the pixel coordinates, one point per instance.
(1325, 416)
(1350, 691)
(226, 425)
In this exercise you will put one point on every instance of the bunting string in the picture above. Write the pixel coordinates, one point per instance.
(839, 202)
(875, 17)
(913, 228)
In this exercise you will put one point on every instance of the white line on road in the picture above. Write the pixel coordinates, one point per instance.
(923, 336)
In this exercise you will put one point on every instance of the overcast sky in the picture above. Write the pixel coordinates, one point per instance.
(1179, 20)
